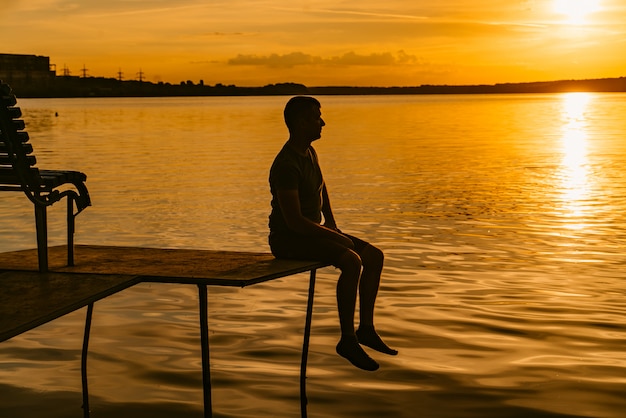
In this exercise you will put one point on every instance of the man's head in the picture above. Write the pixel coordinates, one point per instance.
(303, 116)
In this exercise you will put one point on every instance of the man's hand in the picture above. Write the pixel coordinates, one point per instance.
(340, 236)
(289, 202)
(332, 225)
(345, 241)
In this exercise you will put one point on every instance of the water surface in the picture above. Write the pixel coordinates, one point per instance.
(502, 218)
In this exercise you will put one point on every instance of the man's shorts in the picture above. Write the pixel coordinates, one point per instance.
(301, 247)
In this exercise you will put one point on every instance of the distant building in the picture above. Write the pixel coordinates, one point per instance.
(26, 73)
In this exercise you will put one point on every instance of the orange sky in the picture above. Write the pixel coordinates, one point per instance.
(323, 42)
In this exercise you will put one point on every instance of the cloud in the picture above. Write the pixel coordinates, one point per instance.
(359, 13)
(275, 60)
(348, 59)
(352, 58)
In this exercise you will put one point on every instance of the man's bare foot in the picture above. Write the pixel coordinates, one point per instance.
(367, 336)
(350, 349)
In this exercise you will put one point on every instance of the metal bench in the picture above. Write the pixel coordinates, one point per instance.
(18, 172)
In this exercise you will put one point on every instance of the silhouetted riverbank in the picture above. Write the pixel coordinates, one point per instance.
(110, 87)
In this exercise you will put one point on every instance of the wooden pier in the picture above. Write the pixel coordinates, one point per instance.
(30, 298)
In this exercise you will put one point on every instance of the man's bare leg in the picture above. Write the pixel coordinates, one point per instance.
(347, 287)
(373, 260)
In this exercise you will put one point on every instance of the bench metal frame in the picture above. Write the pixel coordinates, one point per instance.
(42, 187)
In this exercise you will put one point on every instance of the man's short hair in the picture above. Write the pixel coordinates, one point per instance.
(297, 107)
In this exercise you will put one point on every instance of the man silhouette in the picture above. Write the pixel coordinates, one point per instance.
(302, 226)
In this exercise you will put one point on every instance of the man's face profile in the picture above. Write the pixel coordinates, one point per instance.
(311, 123)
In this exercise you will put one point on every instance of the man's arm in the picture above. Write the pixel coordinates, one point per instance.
(289, 202)
(329, 218)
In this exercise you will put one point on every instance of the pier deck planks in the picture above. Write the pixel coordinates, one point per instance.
(29, 298)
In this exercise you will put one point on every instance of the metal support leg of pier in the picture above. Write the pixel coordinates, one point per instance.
(305, 345)
(70, 230)
(83, 362)
(41, 223)
(204, 341)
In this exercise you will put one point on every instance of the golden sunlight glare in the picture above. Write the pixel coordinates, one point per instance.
(576, 11)
(575, 171)
(574, 130)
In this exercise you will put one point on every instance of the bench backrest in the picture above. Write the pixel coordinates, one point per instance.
(17, 162)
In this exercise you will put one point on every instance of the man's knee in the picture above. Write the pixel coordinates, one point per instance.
(372, 256)
(350, 262)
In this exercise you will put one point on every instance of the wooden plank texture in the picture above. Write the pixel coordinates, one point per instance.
(221, 268)
(29, 298)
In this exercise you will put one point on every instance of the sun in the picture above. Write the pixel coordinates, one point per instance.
(576, 11)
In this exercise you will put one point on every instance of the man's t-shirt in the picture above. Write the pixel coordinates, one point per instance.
(292, 171)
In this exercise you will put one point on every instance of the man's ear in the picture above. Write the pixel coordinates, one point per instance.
(299, 122)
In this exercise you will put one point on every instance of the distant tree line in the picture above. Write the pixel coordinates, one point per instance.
(563, 86)
(70, 86)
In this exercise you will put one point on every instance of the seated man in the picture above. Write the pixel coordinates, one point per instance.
(299, 205)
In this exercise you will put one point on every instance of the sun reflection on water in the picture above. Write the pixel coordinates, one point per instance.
(574, 172)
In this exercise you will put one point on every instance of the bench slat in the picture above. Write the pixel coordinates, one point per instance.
(14, 112)
(5, 160)
(8, 175)
(9, 99)
(26, 148)
(49, 178)
(18, 124)
(21, 136)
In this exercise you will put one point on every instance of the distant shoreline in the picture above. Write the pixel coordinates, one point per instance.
(70, 86)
